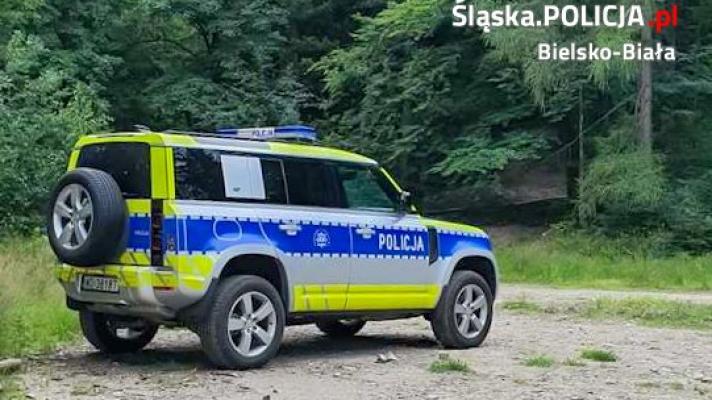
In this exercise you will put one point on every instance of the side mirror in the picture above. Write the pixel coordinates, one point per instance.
(404, 204)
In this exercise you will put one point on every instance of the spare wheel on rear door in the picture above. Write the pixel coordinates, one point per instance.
(87, 218)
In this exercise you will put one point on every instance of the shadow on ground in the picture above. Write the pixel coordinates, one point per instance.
(187, 356)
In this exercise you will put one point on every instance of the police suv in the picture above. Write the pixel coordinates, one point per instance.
(237, 234)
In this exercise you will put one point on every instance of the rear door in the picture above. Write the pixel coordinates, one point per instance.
(130, 166)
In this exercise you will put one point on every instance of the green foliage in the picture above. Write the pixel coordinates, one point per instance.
(521, 306)
(427, 100)
(43, 107)
(573, 362)
(652, 312)
(623, 186)
(33, 315)
(598, 355)
(633, 262)
(10, 388)
(448, 109)
(540, 361)
(688, 213)
(446, 364)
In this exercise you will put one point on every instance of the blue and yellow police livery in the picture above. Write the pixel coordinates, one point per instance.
(237, 234)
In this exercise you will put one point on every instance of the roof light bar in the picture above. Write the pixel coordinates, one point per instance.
(287, 132)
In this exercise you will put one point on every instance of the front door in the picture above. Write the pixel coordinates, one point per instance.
(390, 268)
(313, 237)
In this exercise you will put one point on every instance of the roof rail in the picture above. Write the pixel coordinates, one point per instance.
(142, 128)
(287, 133)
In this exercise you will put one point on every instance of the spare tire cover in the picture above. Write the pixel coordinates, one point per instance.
(87, 218)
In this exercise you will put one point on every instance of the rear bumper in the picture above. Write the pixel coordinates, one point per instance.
(149, 292)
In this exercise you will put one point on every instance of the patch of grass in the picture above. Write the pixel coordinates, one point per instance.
(586, 261)
(647, 311)
(574, 362)
(33, 314)
(522, 306)
(598, 355)
(10, 389)
(652, 312)
(540, 361)
(447, 364)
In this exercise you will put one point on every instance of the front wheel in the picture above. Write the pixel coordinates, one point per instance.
(464, 313)
(110, 334)
(245, 325)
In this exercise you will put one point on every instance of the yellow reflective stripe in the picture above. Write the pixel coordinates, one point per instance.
(392, 297)
(152, 138)
(73, 160)
(159, 184)
(170, 174)
(338, 297)
(131, 137)
(170, 208)
(131, 276)
(300, 150)
(451, 225)
(138, 206)
(330, 297)
(390, 179)
(195, 271)
(178, 140)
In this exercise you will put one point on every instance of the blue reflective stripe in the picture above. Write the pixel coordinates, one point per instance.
(211, 235)
(139, 237)
(311, 238)
(451, 243)
(208, 234)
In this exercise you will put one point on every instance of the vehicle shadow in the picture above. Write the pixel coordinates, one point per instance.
(319, 346)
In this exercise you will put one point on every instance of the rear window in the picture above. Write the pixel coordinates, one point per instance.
(127, 163)
(215, 175)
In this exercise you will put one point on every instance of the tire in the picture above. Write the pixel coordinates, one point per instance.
(104, 229)
(226, 350)
(101, 331)
(340, 328)
(445, 319)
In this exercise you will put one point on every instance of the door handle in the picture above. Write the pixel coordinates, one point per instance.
(290, 229)
(366, 232)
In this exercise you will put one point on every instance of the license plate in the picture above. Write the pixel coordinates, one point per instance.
(100, 284)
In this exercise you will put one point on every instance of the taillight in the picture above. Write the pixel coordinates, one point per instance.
(156, 233)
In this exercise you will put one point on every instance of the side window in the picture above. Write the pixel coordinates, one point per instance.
(128, 163)
(366, 188)
(312, 183)
(222, 176)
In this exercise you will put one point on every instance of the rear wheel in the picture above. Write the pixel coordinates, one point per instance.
(464, 313)
(110, 334)
(340, 327)
(245, 325)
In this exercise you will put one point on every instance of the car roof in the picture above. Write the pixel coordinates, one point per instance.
(214, 142)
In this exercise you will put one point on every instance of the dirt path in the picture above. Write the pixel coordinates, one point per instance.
(653, 363)
(546, 295)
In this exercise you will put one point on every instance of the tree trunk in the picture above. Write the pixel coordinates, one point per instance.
(644, 105)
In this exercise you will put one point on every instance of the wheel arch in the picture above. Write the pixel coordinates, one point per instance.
(266, 266)
(480, 263)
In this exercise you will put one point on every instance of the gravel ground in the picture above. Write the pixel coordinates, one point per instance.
(652, 363)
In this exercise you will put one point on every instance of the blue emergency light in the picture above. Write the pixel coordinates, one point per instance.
(287, 132)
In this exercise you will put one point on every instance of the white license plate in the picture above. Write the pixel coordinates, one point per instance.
(100, 284)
